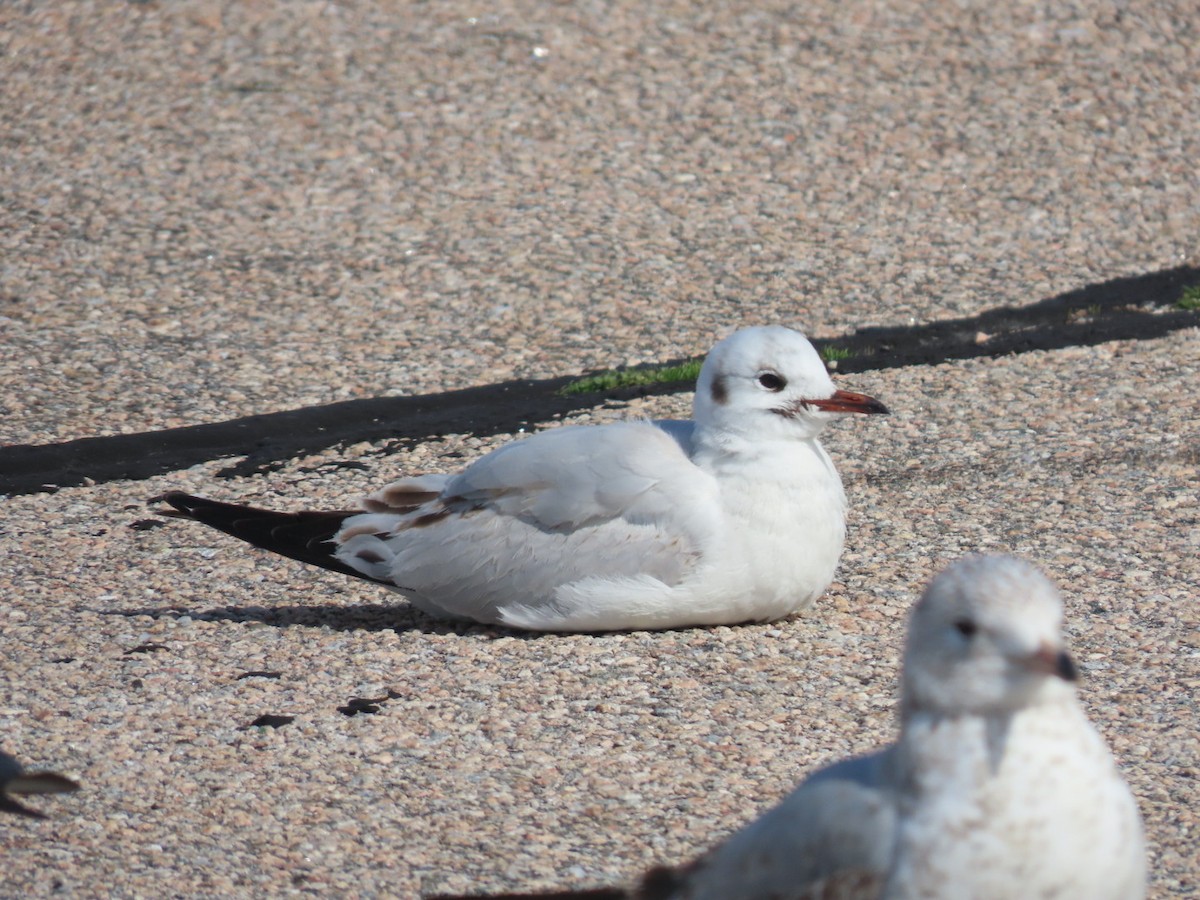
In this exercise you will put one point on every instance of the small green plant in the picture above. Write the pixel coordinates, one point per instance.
(1190, 298)
(830, 353)
(607, 381)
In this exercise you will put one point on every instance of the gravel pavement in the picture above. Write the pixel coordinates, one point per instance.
(211, 211)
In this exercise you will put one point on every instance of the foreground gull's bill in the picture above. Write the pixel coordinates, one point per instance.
(737, 515)
(998, 786)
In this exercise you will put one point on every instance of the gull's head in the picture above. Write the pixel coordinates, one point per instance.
(769, 380)
(985, 639)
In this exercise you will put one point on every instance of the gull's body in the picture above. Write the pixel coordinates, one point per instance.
(737, 515)
(998, 786)
(15, 780)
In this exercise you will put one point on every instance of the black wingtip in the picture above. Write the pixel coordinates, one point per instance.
(306, 536)
(182, 504)
(179, 499)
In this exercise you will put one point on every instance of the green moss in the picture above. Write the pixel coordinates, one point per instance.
(623, 378)
(1190, 298)
(829, 353)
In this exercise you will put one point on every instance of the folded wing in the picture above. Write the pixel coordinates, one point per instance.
(567, 506)
(830, 838)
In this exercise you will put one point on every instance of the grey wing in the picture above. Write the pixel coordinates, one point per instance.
(831, 837)
(579, 475)
(565, 506)
(681, 430)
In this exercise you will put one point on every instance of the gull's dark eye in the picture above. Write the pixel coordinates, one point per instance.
(966, 628)
(772, 381)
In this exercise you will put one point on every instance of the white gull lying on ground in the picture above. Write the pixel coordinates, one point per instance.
(998, 787)
(735, 516)
(15, 780)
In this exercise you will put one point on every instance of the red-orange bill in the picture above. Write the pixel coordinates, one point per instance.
(849, 402)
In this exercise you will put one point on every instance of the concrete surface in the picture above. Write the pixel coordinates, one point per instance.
(212, 212)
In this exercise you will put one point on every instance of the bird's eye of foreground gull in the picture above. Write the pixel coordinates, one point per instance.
(998, 786)
(15, 780)
(736, 515)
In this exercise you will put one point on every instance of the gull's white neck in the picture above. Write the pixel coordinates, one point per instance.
(971, 744)
(784, 513)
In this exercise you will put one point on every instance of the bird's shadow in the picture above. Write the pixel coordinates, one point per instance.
(401, 618)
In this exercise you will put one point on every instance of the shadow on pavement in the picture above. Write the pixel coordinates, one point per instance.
(1136, 308)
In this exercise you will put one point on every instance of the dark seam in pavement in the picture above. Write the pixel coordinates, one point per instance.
(1138, 307)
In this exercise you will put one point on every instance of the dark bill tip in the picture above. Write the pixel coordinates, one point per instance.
(1065, 668)
(849, 402)
(1058, 663)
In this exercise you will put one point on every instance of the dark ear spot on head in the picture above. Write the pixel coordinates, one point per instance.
(720, 393)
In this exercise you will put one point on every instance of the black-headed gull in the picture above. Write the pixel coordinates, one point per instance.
(737, 515)
(998, 787)
(15, 780)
